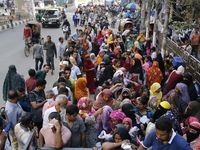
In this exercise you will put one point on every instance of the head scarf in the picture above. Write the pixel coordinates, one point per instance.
(105, 116)
(138, 56)
(80, 88)
(117, 115)
(191, 119)
(115, 80)
(118, 73)
(127, 119)
(84, 108)
(105, 57)
(125, 101)
(154, 87)
(193, 136)
(184, 92)
(123, 133)
(160, 61)
(12, 81)
(129, 112)
(137, 68)
(193, 110)
(191, 88)
(180, 70)
(153, 75)
(163, 108)
(126, 90)
(93, 59)
(100, 102)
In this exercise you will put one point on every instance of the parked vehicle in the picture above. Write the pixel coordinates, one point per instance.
(51, 17)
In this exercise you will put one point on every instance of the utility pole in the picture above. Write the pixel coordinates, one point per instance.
(149, 4)
(155, 28)
(143, 10)
(165, 27)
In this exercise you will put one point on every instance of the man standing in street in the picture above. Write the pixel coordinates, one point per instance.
(50, 48)
(10, 17)
(195, 39)
(38, 55)
(61, 48)
(37, 99)
(13, 114)
(41, 74)
(31, 81)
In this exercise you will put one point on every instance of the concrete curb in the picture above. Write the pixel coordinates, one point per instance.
(15, 23)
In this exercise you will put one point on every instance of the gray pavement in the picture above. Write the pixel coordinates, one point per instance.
(12, 52)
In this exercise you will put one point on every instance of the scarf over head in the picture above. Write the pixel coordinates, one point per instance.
(153, 75)
(84, 107)
(118, 115)
(193, 110)
(184, 92)
(12, 81)
(80, 88)
(100, 102)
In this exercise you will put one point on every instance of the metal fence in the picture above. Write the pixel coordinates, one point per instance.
(191, 64)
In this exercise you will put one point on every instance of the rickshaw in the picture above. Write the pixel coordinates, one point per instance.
(39, 13)
(34, 25)
(125, 24)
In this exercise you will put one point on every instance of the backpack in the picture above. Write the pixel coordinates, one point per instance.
(37, 113)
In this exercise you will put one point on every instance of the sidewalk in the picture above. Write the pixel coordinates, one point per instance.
(15, 21)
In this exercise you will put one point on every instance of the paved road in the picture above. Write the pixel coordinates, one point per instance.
(11, 52)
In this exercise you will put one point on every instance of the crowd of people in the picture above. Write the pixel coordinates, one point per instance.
(141, 100)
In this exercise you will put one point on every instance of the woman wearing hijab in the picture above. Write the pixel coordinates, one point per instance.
(193, 110)
(137, 68)
(179, 99)
(175, 77)
(160, 61)
(192, 136)
(93, 58)
(95, 46)
(12, 81)
(139, 85)
(121, 136)
(187, 123)
(117, 117)
(187, 79)
(104, 98)
(155, 90)
(81, 89)
(129, 112)
(90, 74)
(89, 116)
(153, 75)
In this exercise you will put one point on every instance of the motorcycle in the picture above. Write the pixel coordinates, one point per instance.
(66, 32)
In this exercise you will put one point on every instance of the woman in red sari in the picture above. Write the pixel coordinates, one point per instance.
(90, 74)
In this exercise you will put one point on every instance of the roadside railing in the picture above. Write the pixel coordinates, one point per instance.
(191, 64)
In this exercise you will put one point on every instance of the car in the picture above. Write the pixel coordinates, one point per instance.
(51, 17)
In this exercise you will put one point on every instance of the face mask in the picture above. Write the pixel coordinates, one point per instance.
(159, 113)
(50, 100)
(191, 136)
(126, 97)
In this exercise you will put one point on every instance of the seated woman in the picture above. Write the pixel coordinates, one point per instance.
(121, 136)
(104, 98)
(179, 99)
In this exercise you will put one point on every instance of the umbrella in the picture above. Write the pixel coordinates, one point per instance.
(133, 6)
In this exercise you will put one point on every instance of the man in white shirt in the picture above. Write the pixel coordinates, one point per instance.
(61, 48)
(61, 104)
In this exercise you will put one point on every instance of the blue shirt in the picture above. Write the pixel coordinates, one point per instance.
(176, 142)
(148, 114)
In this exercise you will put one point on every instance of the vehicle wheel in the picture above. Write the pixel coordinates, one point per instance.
(27, 51)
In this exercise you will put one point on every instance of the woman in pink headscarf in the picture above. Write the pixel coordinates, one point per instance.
(117, 117)
(187, 122)
(135, 79)
(104, 98)
(89, 115)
